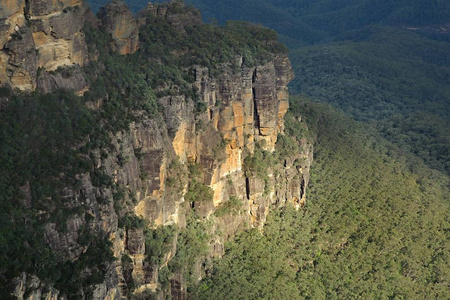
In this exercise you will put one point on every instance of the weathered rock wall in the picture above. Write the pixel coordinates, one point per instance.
(148, 163)
(120, 23)
(37, 38)
(217, 140)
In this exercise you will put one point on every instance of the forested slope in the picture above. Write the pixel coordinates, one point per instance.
(311, 20)
(375, 226)
(383, 62)
(396, 80)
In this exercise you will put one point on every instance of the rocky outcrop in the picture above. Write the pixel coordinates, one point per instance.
(30, 287)
(244, 109)
(217, 140)
(20, 61)
(176, 14)
(233, 117)
(11, 18)
(40, 37)
(71, 78)
(120, 23)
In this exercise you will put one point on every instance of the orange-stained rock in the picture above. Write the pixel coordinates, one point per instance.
(11, 18)
(218, 192)
(22, 80)
(226, 119)
(184, 142)
(233, 162)
(240, 136)
(10, 7)
(247, 95)
(150, 209)
(52, 53)
(49, 34)
(265, 131)
(238, 112)
(215, 119)
(179, 142)
(282, 109)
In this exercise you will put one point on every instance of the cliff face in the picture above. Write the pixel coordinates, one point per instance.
(119, 21)
(37, 38)
(242, 110)
(228, 141)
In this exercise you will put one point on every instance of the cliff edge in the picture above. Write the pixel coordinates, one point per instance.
(184, 122)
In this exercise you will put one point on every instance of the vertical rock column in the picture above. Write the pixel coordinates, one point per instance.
(271, 99)
(121, 24)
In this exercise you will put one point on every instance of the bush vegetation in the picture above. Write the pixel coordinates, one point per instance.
(192, 247)
(394, 80)
(35, 168)
(158, 242)
(374, 227)
(198, 192)
(232, 206)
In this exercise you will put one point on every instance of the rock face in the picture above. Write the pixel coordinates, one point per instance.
(242, 115)
(119, 21)
(217, 140)
(243, 109)
(38, 37)
(176, 14)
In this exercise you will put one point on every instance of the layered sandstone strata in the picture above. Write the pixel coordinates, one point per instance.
(37, 38)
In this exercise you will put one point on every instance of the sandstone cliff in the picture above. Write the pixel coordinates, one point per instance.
(222, 139)
(119, 21)
(37, 38)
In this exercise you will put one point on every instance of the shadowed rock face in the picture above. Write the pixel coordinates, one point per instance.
(44, 35)
(119, 21)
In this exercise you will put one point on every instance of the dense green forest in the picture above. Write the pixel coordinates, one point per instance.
(312, 20)
(383, 62)
(376, 226)
(395, 80)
